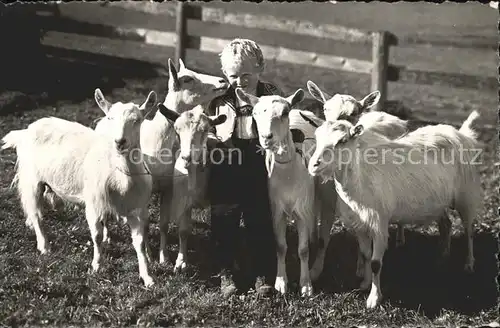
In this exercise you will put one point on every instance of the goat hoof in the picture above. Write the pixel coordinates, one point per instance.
(95, 267)
(148, 281)
(162, 259)
(280, 285)
(43, 250)
(42, 247)
(180, 267)
(373, 300)
(307, 291)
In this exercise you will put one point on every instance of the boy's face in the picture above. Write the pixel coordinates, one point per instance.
(242, 75)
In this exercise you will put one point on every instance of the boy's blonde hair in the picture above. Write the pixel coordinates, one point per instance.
(240, 50)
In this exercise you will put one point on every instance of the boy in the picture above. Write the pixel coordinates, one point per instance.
(238, 177)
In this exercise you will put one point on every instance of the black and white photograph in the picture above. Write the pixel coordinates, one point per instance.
(249, 164)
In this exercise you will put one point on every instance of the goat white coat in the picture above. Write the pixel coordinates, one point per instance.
(413, 192)
(292, 191)
(106, 173)
(159, 144)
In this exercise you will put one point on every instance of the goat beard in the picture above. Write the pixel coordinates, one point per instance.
(269, 162)
(280, 148)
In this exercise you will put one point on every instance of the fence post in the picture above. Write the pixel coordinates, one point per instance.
(380, 57)
(180, 29)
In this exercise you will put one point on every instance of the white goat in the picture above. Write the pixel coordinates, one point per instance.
(291, 188)
(186, 89)
(406, 184)
(192, 171)
(106, 173)
(346, 107)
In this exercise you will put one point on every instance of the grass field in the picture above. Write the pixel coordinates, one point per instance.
(58, 289)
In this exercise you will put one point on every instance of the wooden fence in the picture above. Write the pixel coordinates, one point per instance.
(192, 25)
(379, 67)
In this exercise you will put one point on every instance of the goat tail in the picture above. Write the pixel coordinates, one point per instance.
(466, 127)
(12, 139)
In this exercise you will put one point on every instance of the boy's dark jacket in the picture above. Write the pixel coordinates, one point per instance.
(225, 104)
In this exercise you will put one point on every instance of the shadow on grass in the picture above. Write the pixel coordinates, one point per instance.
(411, 277)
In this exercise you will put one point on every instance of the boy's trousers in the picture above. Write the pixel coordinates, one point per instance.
(238, 188)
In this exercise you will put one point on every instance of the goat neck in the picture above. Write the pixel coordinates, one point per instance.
(131, 162)
(174, 101)
(348, 173)
(282, 154)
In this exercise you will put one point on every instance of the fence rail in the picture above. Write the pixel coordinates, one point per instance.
(194, 26)
(378, 67)
(247, 20)
(381, 41)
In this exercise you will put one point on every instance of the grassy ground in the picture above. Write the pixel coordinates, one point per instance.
(57, 289)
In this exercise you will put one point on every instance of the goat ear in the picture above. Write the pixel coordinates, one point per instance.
(218, 120)
(148, 107)
(369, 101)
(181, 65)
(103, 104)
(297, 97)
(168, 113)
(307, 119)
(316, 92)
(246, 97)
(297, 135)
(357, 130)
(173, 79)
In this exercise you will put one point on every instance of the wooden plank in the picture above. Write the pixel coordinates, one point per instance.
(295, 56)
(380, 57)
(134, 67)
(112, 48)
(97, 13)
(272, 23)
(445, 40)
(67, 25)
(169, 39)
(453, 80)
(166, 8)
(181, 32)
(268, 22)
(87, 12)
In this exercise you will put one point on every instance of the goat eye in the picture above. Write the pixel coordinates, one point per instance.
(188, 79)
